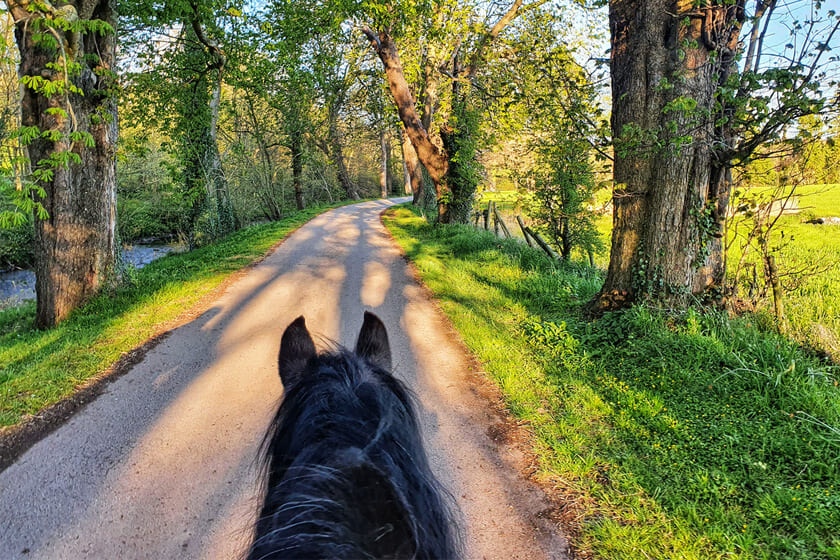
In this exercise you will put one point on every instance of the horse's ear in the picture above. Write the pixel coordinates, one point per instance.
(373, 342)
(296, 348)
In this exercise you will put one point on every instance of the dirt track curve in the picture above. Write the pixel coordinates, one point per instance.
(161, 465)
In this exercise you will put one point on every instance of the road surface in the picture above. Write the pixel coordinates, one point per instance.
(162, 465)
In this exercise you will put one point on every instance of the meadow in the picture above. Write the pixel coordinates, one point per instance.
(808, 256)
(661, 435)
(809, 260)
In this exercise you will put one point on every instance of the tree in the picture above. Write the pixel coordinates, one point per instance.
(280, 71)
(256, 166)
(184, 93)
(544, 105)
(69, 126)
(196, 103)
(335, 71)
(380, 118)
(560, 187)
(451, 165)
(295, 109)
(691, 99)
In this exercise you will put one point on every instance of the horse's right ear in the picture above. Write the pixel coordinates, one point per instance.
(296, 348)
(373, 342)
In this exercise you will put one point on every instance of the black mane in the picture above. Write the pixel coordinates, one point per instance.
(347, 476)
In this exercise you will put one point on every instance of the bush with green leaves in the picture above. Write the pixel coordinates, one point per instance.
(16, 245)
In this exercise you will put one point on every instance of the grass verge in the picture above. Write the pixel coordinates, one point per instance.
(676, 435)
(39, 368)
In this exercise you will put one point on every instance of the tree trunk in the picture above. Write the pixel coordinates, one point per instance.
(296, 147)
(75, 247)
(666, 198)
(406, 175)
(216, 180)
(778, 294)
(337, 155)
(384, 175)
(462, 176)
(413, 172)
(565, 239)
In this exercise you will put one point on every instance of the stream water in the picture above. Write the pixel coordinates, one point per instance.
(17, 286)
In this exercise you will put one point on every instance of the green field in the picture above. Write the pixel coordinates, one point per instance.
(681, 436)
(809, 262)
(811, 298)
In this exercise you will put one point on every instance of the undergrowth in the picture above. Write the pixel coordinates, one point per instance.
(670, 434)
(39, 368)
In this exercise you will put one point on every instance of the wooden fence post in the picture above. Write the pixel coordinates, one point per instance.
(501, 222)
(524, 231)
(545, 246)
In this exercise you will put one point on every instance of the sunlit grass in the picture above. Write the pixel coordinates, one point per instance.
(811, 298)
(808, 256)
(39, 368)
(676, 436)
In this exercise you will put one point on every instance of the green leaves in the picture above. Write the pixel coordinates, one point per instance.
(26, 200)
(42, 86)
(56, 111)
(84, 137)
(682, 104)
(26, 134)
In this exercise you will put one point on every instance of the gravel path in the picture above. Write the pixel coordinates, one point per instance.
(162, 464)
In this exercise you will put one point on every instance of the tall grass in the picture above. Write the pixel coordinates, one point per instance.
(670, 435)
(808, 257)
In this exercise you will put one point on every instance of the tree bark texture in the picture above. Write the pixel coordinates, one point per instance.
(413, 172)
(668, 184)
(75, 248)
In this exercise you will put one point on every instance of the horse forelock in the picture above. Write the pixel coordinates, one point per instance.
(344, 416)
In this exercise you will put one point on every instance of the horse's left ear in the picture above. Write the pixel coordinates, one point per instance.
(296, 348)
(373, 342)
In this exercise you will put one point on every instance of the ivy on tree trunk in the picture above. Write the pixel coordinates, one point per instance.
(669, 188)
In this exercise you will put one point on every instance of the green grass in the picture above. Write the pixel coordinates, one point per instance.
(811, 297)
(822, 200)
(811, 300)
(674, 436)
(39, 368)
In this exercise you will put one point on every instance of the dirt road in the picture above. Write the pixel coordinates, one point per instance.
(162, 465)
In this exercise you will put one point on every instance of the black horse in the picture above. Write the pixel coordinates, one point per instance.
(347, 476)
